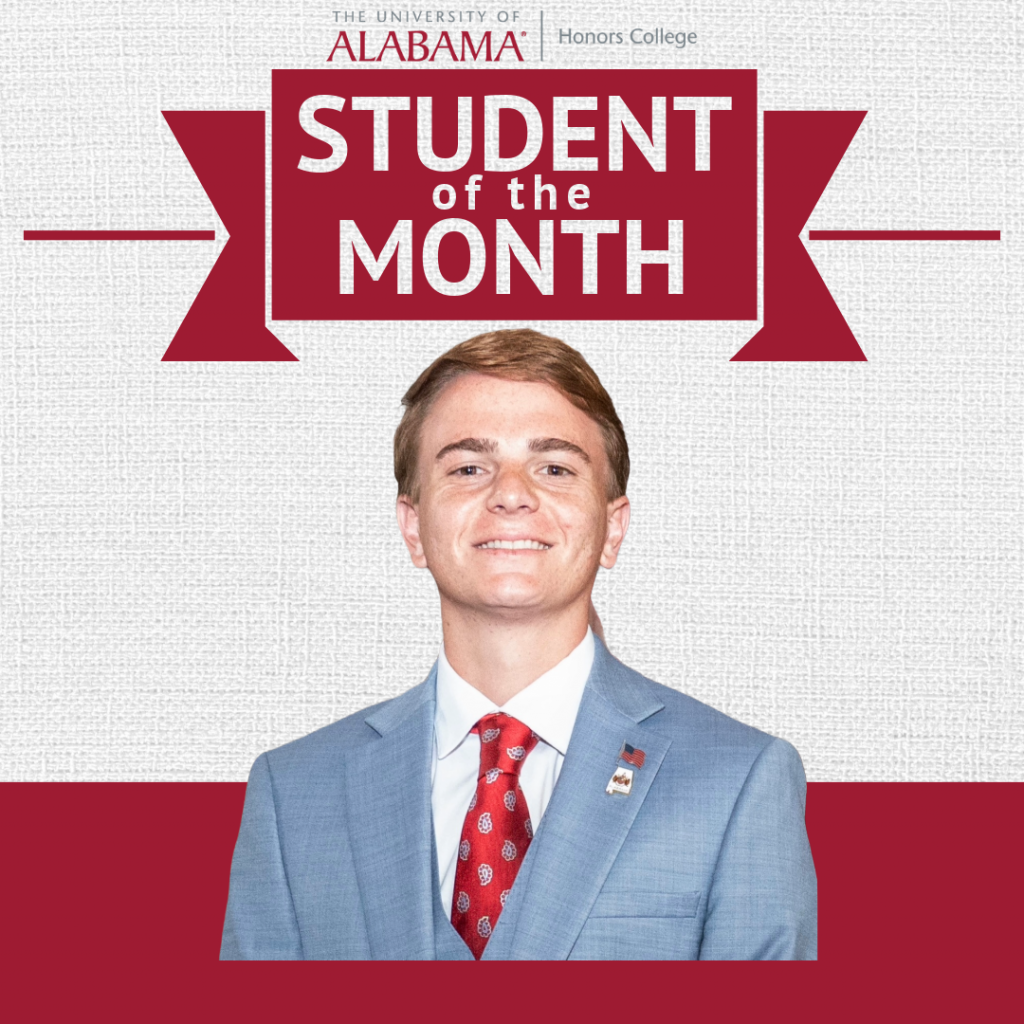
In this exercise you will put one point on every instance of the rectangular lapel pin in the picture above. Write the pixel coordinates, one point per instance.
(621, 782)
(632, 755)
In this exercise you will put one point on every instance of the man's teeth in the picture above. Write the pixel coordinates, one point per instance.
(516, 545)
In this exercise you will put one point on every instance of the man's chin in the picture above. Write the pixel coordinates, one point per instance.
(510, 601)
(509, 595)
(514, 600)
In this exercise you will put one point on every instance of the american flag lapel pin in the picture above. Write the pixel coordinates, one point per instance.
(632, 755)
(622, 780)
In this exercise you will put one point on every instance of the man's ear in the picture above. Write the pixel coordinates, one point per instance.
(409, 524)
(615, 531)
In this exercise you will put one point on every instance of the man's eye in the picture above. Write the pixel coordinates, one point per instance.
(468, 470)
(558, 471)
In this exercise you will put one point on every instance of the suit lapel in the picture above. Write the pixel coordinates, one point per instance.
(583, 828)
(391, 827)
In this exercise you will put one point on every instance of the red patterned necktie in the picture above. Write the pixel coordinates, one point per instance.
(496, 833)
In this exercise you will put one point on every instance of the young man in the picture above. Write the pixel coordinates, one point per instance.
(533, 798)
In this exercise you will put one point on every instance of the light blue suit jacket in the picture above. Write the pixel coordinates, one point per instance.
(707, 858)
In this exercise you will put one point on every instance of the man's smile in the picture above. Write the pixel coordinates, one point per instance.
(512, 545)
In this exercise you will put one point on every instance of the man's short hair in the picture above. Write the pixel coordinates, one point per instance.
(521, 355)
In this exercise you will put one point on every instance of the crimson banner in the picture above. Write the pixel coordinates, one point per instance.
(510, 195)
(562, 195)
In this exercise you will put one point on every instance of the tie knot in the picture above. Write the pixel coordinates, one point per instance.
(504, 743)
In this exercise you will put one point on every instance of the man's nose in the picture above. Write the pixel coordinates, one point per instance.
(513, 491)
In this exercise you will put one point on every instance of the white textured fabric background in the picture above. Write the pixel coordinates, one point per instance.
(199, 561)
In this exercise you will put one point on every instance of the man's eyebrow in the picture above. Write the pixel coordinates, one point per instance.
(468, 444)
(557, 444)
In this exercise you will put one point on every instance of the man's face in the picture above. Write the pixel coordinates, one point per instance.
(513, 516)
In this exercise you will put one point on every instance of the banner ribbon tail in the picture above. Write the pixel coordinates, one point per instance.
(802, 149)
(227, 319)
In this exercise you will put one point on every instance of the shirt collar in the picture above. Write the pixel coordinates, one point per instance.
(548, 705)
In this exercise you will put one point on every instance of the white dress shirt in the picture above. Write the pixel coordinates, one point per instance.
(548, 706)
